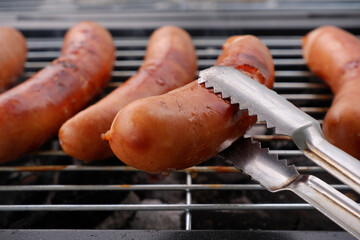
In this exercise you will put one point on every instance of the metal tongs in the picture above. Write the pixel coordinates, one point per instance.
(285, 118)
(307, 135)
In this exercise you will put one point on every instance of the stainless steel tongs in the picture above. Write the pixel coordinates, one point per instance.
(275, 175)
(285, 118)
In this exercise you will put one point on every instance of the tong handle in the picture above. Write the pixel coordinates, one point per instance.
(329, 201)
(340, 164)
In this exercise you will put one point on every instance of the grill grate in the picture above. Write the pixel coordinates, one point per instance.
(48, 179)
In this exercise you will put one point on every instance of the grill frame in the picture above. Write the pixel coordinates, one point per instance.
(153, 235)
(292, 77)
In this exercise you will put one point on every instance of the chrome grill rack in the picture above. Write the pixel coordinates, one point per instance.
(50, 171)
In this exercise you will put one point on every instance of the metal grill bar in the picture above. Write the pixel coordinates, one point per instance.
(292, 74)
(141, 42)
(156, 207)
(73, 9)
(201, 63)
(293, 81)
(188, 201)
(75, 168)
(277, 85)
(278, 152)
(292, 97)
(210, 24)
(148, 187)
(278, 73)
(141, 53)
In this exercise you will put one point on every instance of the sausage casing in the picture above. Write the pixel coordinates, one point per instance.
(170, 62)
(13, 52)
(33, 111)
(334, 55)
(190, 124)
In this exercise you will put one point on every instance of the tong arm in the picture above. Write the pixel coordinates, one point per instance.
(340, 164)
(333, 204)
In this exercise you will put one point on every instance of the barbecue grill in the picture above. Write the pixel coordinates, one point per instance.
(47, 194)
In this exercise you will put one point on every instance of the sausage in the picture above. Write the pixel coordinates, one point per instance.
(13, 52)
(334, 55)
(190, 124)
(170, 62)
(33, 111)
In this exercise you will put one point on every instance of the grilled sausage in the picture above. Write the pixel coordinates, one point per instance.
(33, 111)
(334, 55)
(170, 62)
(191, 124)
(12, 56)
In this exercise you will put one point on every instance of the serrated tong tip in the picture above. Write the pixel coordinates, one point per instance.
(263, 167)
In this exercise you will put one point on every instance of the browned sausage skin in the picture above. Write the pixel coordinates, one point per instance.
(334, 55)
(13, 52)
(33, 111)
(170, 62)
(191, 124)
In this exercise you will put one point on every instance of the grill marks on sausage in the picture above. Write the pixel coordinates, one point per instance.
(352, 65)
